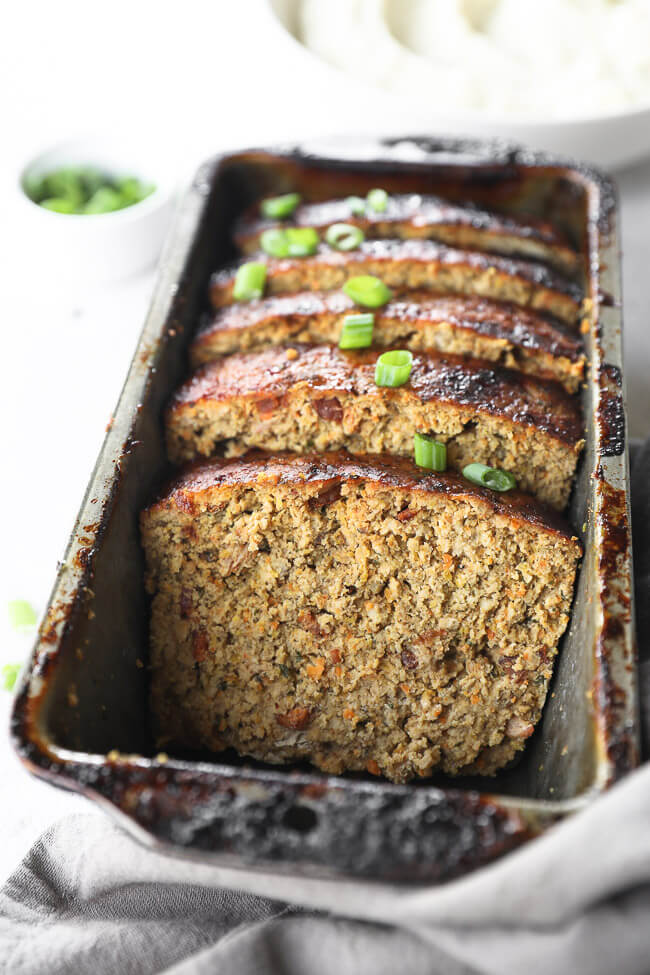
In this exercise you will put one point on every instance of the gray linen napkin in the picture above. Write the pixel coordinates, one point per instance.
(88, 899)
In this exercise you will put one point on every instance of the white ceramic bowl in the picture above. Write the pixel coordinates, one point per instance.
(610, 141)
(93, 248)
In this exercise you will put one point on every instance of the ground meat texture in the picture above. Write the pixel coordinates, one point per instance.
(498, 332)
(413, 264)
(412, 215)
(323, 398)
(310, 616)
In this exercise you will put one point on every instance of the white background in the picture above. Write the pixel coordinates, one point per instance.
(187, 80)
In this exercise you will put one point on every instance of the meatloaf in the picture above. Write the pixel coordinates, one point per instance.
(354, 612)
(499, 332)
(412, 215)
(408, 264)
(311, 397)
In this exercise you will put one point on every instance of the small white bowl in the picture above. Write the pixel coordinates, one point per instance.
(94, 248)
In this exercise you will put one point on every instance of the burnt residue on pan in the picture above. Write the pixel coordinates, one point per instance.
(611, 411)
(613, 521)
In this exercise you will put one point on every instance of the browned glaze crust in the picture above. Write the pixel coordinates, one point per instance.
(329, 471)
(444, 378)
(407, 264)
(524, 328)
(413, 215)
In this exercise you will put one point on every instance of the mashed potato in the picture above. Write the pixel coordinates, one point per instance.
(518, 58)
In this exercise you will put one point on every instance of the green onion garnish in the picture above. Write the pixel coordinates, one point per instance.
(344, 236)
(249, 281)
(393, 368)
(367, 290)
(275, 242)
(430, 453)
(85, 190)
(10, 676)
(490, 477)
(21, 614)
(377, 200)
(357, 331)
(357, 205)
(279, 207)
(303, 241)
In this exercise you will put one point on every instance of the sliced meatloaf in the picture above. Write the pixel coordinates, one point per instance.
(413, 215)
(408, 264)
(316, 397)
(499, 332)
(353, 612)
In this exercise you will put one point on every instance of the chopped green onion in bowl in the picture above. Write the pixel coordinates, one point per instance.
(377, 200)
(344, 236)
(85, 190)
(10, 676)
(21, 614)
(249, 281)
(367, 290)
(280, 207)
(430, 453)
(393, 368)
(357, 331)
(490, 477)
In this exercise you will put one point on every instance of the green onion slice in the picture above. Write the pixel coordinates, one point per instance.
(275, 242)
(302, 241)
(10, 676)
(430, 453)
(21, 614)
(357, 205)
(367, 290)
(377, 200)
(393, 368)
(357, 331)
(490, 477)
(279, 207)
(249, 281)
(344, 236)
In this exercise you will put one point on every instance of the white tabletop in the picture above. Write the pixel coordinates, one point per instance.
(190, 88)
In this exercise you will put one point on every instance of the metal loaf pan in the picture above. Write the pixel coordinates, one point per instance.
(80, 718)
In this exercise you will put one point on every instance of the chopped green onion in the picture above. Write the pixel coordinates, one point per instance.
(249, 281)
(59, 205)
(367, 290)
(103, 200)
(21, 614)
(303, 241)
(377, 200)
(274, 242)
(393, 368)
(344, 236)
(279, 207)
(490, 477)
(430, 453)
(357, 331)
(357, 205)
(10, 676)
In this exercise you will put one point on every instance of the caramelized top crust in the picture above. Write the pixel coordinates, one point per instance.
(523, 327)
(455, 380)
(414, 214)
(385, 257)
(326, 472)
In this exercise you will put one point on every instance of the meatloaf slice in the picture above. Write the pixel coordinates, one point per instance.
(497, 331)
(316, 397)
(408, 264)
(411, 215)
(353, 612)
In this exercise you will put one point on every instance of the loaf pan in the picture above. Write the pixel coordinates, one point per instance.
(80, 718)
